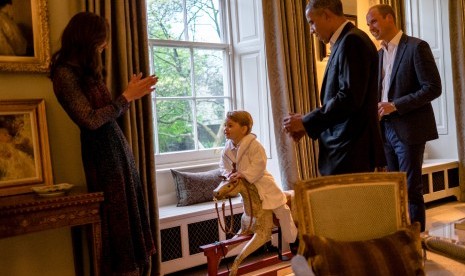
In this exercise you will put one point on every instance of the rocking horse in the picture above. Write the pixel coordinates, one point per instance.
(255, 221)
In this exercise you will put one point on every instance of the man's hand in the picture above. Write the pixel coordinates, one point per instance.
(139, 87)
(296, 136)
(292, 125)
(385, 108)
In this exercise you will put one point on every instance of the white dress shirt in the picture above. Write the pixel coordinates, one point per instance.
(389, 55)
(336, 34)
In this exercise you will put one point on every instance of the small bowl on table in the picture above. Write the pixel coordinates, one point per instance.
(53, 190)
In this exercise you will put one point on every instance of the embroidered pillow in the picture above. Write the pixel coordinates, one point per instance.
(395, 254)
(195, 187)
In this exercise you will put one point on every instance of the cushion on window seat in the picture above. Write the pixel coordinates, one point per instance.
(195, 187)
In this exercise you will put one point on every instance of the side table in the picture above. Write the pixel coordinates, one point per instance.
(22, 214)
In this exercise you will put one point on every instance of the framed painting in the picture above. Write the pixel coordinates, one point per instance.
(24, 149)
(325, 49)
(24, 36)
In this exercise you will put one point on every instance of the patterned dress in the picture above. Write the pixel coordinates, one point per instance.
(109, 167)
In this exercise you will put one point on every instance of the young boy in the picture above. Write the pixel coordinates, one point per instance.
(244, 157)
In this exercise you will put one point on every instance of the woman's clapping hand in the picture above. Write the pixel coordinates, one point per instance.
(139, 87)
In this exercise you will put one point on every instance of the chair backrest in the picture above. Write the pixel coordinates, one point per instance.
(352, 207)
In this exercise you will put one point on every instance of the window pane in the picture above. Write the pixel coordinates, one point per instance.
(204, 21)
(173, 68)
(189, 54)
(209, 72)
(165, 19)
(175, 125)
(210, 119)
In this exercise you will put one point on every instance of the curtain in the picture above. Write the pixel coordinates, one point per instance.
(457, 40)
(398, 6)
(292, 80)
(128, 55)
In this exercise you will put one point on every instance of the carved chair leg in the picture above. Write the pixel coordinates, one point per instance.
(76, 235)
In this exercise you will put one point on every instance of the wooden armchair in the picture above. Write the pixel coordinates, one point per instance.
(338, 214)
(352, 206)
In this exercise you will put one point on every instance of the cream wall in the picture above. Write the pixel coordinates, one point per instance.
(48, 252)
(352, 7)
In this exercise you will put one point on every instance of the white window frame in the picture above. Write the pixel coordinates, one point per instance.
(198, 157)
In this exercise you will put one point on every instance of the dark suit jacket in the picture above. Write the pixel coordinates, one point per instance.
(415, 82)
(347, 124)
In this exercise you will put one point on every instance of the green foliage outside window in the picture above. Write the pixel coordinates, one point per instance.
(189, 56)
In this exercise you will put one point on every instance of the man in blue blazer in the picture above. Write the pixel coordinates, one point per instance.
(408, 81)
(346, 125)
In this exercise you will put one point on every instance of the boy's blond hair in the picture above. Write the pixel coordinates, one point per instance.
(241, 117)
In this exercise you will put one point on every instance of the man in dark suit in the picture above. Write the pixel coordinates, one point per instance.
(408, 82)
(346, 125)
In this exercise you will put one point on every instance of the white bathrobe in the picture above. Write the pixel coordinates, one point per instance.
(251, 163)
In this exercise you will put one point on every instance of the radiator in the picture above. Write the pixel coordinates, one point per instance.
(440, 179)
(180, 239)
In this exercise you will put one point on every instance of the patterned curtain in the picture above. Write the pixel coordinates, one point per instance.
(293, 85)
(129, 55)
(457, 40)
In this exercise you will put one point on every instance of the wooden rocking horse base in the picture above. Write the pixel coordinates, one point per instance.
(265, 262)
(215, 251)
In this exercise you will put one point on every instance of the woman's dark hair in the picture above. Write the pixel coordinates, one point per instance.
(5, 2)
(80, 40)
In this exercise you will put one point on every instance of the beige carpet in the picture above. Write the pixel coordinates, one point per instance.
(438, 265)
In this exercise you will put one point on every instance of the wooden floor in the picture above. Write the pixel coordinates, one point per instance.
(438, 212)
(444, 211)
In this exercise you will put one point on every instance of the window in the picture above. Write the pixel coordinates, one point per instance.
(190, 52)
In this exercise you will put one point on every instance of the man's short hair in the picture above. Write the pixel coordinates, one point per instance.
(384, 10)
(335, 6)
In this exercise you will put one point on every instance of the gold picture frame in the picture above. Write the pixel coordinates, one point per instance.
(28, 22)
(24, 149)
(325, 49)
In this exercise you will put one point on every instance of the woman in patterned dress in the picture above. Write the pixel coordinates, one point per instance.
(78, 82)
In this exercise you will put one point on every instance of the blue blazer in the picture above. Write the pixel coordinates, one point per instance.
(346, 125)
(415, 82)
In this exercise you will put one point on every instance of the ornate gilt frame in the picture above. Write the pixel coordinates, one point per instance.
(24, 146)
(40, 60)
